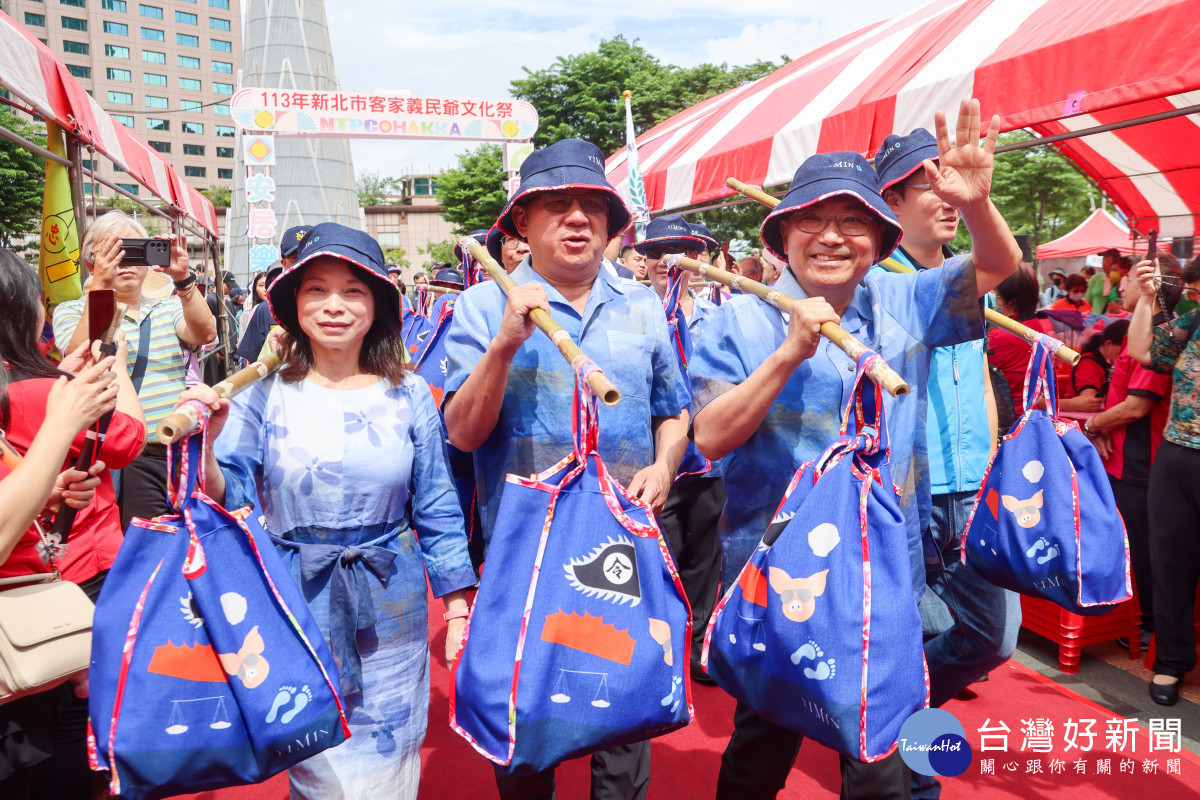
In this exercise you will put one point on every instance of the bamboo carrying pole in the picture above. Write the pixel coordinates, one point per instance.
(603, 388)
(990, 314)
(186, 419)
(879, 371)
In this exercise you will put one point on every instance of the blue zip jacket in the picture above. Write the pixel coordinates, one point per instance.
(956, 420)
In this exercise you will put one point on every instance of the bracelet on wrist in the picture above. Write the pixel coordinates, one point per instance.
(186, 283)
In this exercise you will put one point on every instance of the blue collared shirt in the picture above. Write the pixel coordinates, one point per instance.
(901, 317)
(622, 328)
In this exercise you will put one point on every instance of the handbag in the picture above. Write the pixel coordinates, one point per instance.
(208, 669)
(1045, 523)
(819, 634)
(45, 630)
(578, 639)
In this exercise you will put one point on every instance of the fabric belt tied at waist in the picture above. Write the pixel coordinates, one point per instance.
(350, 606)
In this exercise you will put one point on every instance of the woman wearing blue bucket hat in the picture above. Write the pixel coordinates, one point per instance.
(308, 441)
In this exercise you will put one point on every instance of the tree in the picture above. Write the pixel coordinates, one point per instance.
(373, 189)
(473, 192)
(1038, 192)
(440, 252)
(581, 95)
(395, 255)
(219, 196)
(22, 174)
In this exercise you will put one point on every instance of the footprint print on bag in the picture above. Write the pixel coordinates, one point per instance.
(811, 651)
(290, 701)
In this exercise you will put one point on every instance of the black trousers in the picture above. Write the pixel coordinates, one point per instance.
(689, 520)
(1175, 555)
(1133, 504)
(65, 775)
(144, 485)
(760, 754)
(621, 773)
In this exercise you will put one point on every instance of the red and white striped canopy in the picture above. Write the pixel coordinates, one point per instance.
(32, 72)
(1049, 65)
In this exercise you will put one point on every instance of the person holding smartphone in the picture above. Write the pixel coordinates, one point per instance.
(155, 335)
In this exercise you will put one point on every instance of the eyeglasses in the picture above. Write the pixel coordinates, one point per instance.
(924, 187)
(511, 244)
(853, 224)
(561, 202)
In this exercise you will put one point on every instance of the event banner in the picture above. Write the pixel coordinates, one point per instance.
(368, 116)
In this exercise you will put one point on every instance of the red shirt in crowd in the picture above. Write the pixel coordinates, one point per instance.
(96, 535)
(1010, 353)
(1089, 373)
(1135, 444)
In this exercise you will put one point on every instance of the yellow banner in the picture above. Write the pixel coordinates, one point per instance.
(58, 260)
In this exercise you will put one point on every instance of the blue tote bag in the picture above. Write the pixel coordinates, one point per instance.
(207, 668)
(819, 634)
(578, 639)
(1045, 523)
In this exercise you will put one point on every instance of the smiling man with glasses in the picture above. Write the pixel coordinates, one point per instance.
(509, 392)
(769, 390)
(970, 625)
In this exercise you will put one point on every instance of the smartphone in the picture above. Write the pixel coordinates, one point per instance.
(101, 307)
(146, 252)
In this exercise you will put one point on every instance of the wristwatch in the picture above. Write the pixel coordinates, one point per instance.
(1087, 429)
(185, 284)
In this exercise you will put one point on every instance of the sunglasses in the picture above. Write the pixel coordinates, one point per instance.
(561, 202)
(657, 253)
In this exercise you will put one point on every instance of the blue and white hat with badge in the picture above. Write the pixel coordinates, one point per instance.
(357, 249)
(705, 235)
(292, 239)
(669, 231)
(828, 175)
(566, 164)
(901, 156)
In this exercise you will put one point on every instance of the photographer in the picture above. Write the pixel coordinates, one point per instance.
(155, 335)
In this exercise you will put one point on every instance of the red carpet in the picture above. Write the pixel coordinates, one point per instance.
(685, 763)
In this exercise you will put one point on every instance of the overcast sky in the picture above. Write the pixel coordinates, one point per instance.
(477, 47)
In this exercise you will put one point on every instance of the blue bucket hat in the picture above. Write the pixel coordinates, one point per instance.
(480, 236)
(702, 233)
(901, 156)
(495, 244)
(671, 231)
(829, 175)
(447, 276)
(292, 238)
(566, 164)
(355, 248)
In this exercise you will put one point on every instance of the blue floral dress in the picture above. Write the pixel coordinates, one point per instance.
(341, 479)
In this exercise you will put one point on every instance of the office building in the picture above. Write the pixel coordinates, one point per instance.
(165, 69)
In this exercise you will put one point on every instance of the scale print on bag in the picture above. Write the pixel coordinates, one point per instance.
(592, 654)
(197, 610)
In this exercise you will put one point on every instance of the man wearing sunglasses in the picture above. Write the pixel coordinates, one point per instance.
(509, 392)
(769, 390)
